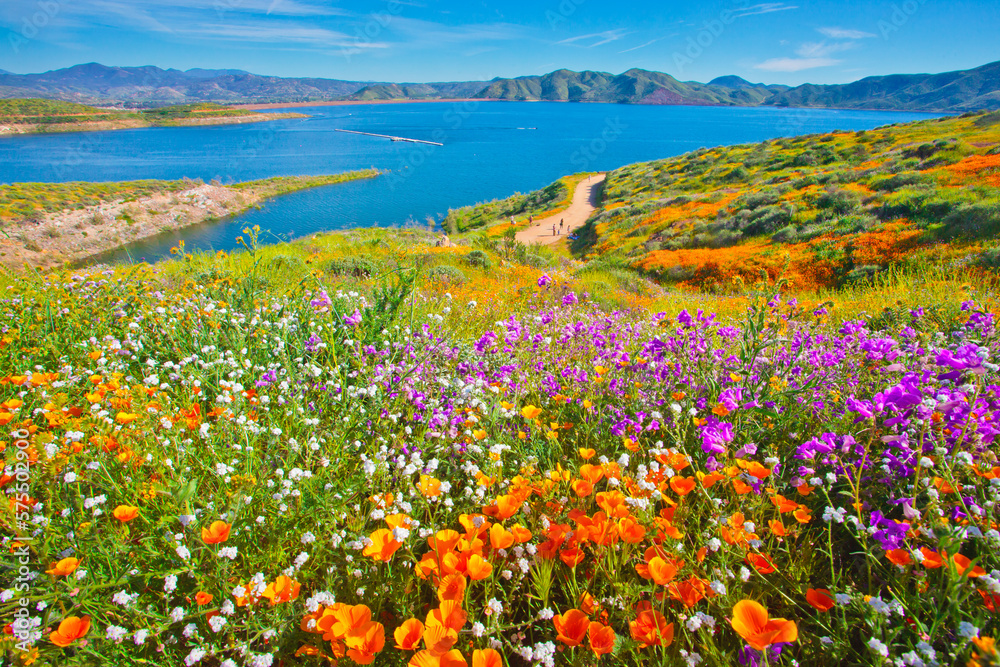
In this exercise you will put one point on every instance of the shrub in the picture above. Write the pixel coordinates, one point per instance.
(354, 267)
(478, 259)
(447, 274)
(862, 273)
(535, 261)
(785, 235)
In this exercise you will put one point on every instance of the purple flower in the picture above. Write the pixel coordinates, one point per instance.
(544, 280)
(353, 320)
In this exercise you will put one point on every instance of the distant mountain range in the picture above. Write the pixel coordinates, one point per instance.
(961, 91)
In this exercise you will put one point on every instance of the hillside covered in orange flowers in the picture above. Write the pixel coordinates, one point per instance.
(821, 210)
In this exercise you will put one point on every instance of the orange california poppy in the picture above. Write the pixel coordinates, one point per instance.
(439, 639)
(582, 488)
(500, 537)
(758, 470)
(587, 453)
(429, 487)
(508, 505)
(383, 545)
(586, 603)
(661, 572)
(777, 527)
(203, 598)
(64, 568)
(709, 480)
(962, 565)
(349, 619)
(820, 598)
(751, 621)
(682, 485)
(650, 628)
(631, 531)
(450, 614)
(689, 592)
(932, 559)
(803, 515)
(70, 629)
(991, 601)
(125, 513)
(478, 567)
(364, 644)
(283, 589)
(409, 634)
(521, 534)
(571, 627)
(451, 587)
(217, 533)
(572, 555)
(761, 562)
(602, 638)
(900, 557)
(591, 473)
(486, 658)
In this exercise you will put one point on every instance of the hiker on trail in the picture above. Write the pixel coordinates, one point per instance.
(553, 230)
(531, 219)
(560, 226)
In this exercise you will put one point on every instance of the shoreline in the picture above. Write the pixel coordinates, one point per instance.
(338, 103)
(348, 103)
(74, 236)
(24, 129)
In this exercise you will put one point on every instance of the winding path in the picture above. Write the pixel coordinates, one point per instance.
(583, 205)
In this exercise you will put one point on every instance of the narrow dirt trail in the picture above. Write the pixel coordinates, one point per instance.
(547, 231)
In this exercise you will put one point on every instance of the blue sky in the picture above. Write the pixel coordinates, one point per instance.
(792, 42)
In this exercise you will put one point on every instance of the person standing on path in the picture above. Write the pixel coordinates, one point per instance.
(553, 230)
(561, 226)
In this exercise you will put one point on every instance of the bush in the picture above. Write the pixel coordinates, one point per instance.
(354, 267)
(972, 221)
(535, 261)
(863, 273)
(785, 235)
(447, 274)
(989, 259)
(478, 259)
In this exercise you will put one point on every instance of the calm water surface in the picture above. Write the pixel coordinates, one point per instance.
(491, 150)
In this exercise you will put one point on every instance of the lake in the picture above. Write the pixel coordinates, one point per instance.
(491, 150)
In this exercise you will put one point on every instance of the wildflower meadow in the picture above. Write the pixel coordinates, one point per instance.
(369, 471)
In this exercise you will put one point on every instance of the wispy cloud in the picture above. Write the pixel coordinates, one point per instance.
(823, 49)
(600, 38)
(763, 8)
(795, 64)
(842, 33)
(641, 46)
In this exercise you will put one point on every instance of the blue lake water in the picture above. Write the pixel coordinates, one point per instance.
(491, 150)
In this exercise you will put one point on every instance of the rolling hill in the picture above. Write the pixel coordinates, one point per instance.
(970, 90)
